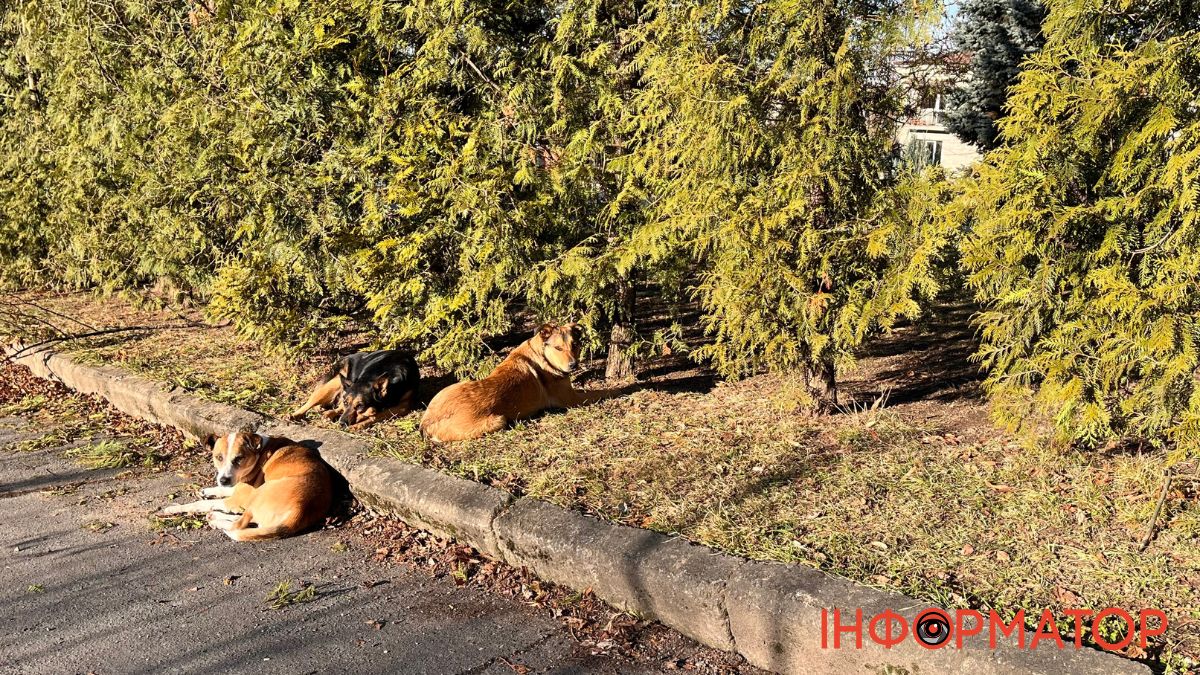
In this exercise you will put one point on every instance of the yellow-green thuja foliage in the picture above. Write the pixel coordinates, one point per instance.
(762, 134)
(297, 164)
(593, 77)
(738, 154)
(455, 211)
(86, 167)
(193, 143)
(1085, 249)
(444, 170)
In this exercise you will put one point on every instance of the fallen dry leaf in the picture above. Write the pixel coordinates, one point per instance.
(1067, 597)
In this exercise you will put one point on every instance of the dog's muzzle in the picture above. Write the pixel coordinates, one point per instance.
(224, 480)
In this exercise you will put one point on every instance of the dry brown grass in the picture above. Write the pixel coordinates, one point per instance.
(179, 347)
(872, 496)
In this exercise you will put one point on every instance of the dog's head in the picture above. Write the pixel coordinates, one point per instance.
(559, 345)
(358, 398)
(237, 456)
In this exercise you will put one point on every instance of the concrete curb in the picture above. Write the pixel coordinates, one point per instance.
(139, 396)
(769, 613)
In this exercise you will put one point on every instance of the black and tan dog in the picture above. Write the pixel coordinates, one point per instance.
(267, 487)
(366, 388)
(534, 377)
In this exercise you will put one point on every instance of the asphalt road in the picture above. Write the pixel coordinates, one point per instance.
(88, 586)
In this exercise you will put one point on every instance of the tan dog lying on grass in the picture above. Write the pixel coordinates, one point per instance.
(534, 377)
(266, 488)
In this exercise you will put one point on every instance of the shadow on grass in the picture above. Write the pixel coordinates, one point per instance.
(927, 361)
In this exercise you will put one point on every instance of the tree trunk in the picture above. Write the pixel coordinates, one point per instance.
(620, 362)
(822, 384)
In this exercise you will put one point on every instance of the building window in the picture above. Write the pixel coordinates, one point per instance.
(932, 150)
(923, 152)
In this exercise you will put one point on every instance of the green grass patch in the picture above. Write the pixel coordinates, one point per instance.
(894, 502)
(180, 522)
(117, 454)
(26, 405)
(284, 595)
(52, 439)
(211, 361)
(106, 454)
(60, 421)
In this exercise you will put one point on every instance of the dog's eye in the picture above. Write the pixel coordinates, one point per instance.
(235, 461)
(559, 348)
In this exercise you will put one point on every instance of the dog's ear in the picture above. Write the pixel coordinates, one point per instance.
(210, 441)
(547, 330)
(380, 385)
(576, 331)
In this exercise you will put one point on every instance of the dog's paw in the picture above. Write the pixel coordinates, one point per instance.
(211, 492)
(221, 521)
(173, 509)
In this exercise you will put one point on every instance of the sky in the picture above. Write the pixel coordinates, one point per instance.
(950, 11)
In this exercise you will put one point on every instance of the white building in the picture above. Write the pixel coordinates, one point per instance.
(922, 137)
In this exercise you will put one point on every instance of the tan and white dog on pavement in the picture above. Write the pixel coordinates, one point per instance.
(267, 487)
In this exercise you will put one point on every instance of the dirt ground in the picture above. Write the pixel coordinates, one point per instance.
(908, 486)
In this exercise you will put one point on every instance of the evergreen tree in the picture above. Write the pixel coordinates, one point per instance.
(592, 79)
(999, 35)
(1086, 246)
(23, 169)
(456, 211)
(762, 136)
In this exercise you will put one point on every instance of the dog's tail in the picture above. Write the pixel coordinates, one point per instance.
(245, 530)
(258, 533)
